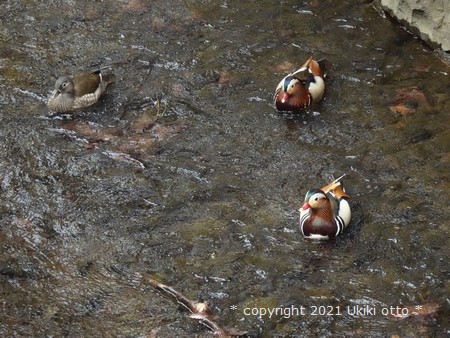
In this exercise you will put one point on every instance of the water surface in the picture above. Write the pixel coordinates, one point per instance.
(185, 173)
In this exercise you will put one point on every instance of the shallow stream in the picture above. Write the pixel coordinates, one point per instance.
(185, 173)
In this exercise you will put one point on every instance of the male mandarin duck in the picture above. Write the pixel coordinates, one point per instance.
(303, 87)
(80, 91)
(325, 212)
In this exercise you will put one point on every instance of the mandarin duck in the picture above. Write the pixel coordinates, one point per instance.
(303, 87)
(325, 212)
(80, 91)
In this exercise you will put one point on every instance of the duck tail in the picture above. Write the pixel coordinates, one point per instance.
(109, 78)
(324, 66)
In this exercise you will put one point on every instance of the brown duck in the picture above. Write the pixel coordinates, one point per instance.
(82, 90)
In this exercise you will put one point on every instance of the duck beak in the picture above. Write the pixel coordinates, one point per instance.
(55, 93)
(305, 206)
(285, 97)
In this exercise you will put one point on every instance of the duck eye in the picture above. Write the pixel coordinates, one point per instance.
(316, 199)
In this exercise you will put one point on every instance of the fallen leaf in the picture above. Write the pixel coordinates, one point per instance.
(136, 6)
(142, 123)
(409, 100)
(402, 109)
(225, 78)
(419, 312)
(285, 67)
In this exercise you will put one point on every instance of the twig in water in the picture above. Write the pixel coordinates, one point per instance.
(199, 311)
(158, 108)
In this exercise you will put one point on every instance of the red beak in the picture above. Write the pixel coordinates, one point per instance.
(285, 97)
(305, 206)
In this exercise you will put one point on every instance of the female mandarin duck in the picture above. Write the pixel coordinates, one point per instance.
(326, 212)
(303, 87)
(81, 91)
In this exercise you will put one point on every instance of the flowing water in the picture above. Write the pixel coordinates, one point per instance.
(185, 173)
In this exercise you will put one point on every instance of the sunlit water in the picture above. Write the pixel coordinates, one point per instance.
(185, 172)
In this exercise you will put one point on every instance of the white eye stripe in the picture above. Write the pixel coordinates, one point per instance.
(317, 196)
